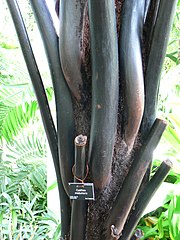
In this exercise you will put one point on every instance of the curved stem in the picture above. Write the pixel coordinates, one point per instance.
(149, 25)
(144, 198)
(79, 208)
(35, 77)
(127, 194)
(157, 54)
(65, 123)
(105, 85)
(158, 24)
(57, 2)
(147, 4)
(71, 15)
(131, 69)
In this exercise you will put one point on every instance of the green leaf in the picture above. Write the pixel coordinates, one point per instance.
(28, 148)
(1, 216)
(17, 200)
(160, 227)
(172, 137)
(7, 46)
(13, 119)
(173, 58)
(17, 107)
(57, 233)
(176, 121)
(174, 217)
(7, 197)
(38, 180)
(51, 187)
(14, 219)
(33, 201)
(27, 188)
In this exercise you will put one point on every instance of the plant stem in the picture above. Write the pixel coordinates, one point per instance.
(144, 198)
(35, 77)
(127, 194)
(131, 69)
(79, 208)
(146, 8)
(71, 15)
(162, 15)
(150, 21)
(65, 124)
(105, 88)
(155, 61)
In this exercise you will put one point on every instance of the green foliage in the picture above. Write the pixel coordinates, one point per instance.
(20, 220)
(174, 217)
(27, 148)
(173, 48)
(18, 108)
(23, 184)
(6, 44)
(13, 119)
(23, 176)
(168, 109)
(164, 222)
(23, 191)
(172, 137)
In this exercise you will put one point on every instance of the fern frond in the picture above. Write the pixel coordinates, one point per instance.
(17, 107)
(27, 148)
(14, 118)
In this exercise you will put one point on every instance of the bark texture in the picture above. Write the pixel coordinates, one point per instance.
(98, 210)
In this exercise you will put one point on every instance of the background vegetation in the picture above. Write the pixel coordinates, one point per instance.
(23, 150)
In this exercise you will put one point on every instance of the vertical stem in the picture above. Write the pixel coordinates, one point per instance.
(79, 208)
(157, 53)
(127, 194)
(65, 124)
(71, 15)
(105, 86)
(160, 18)
(149, 24)
(131, 69)
(147, 4)
(36, 81)
(35, 75)
(144, 198)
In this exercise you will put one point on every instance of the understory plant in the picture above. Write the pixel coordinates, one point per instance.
(23, 154)
(23, 171)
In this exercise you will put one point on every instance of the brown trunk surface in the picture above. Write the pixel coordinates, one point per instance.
(98, 210)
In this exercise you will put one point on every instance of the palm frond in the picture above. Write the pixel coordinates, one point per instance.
(14, 118)
(26, 148)
(18, 107)
(22, 167)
